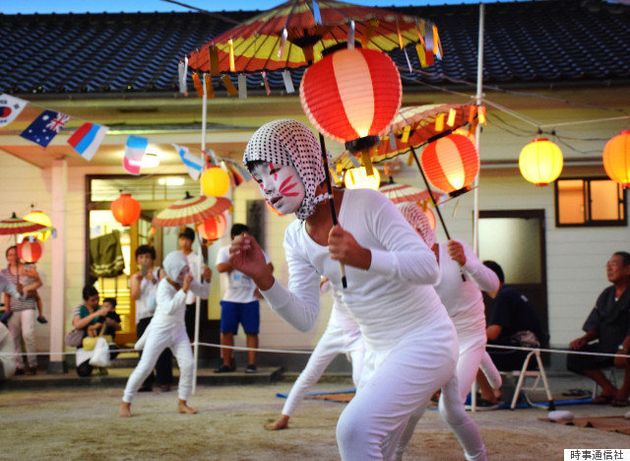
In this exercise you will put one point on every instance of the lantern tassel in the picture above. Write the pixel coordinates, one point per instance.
(405, 134)
(231, 49)
(242, 86)
(408, 61)
(452, 113)
(266, 82)
(229, 86)
(351, 33)
(439, 123)
(209, 87)
(197, 84)
(331, 201)
(214, 60)
(288, 83)
(367, 162)
(283, 41)
(392, 138)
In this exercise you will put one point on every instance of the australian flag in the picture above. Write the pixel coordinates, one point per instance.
(45, 127)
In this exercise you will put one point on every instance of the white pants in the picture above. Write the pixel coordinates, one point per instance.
(395, 384)
(332, 343)
(159, 338)
(22, 326)
(452, 411)
(472, 348)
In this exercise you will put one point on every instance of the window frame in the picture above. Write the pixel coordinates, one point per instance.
(588, 221)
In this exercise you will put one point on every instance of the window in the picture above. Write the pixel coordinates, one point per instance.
(590, 202)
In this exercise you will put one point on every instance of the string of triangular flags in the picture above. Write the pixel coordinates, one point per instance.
(87, 138)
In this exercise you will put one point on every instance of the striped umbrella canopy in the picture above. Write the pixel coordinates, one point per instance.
(295, 33)
(403, 193)
(414, 126)
(15, 226)
(191, 210)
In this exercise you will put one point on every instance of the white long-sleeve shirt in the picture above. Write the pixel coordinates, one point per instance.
(146, 303)
(171, 303)
(463, 299)
(393, 297)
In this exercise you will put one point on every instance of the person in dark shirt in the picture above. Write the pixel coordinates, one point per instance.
(609, 325)
(512, 322)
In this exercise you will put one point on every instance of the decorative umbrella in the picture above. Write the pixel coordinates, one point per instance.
(191, 210)
(295, 33)
(15, 226)
(403, 193)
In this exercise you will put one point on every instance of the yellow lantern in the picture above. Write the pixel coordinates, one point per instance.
(540, 162)
(617, 158)
(39, 217)
(357, 178)
(215, 182)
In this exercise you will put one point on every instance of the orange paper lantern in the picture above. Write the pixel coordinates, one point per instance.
(451, 163)
(540, 162)
(212, 228)
(29, 252)
(352, 95)
(126, 209)
(617, 158)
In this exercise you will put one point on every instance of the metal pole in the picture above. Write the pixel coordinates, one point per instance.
(204, 119)
(478, 98)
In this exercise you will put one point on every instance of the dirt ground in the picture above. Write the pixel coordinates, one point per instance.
(80, 424)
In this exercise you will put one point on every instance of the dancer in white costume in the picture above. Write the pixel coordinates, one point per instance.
(410, 343)
(463, 299)
(168, 329)
(342, 336)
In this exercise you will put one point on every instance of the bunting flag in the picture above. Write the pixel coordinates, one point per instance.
(87, 139)
(134, 151)
(10, 108)
(193, 164)
(45, 127)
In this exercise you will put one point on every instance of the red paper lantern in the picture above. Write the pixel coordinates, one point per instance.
(126, 209)
(212, 228)
(352, 95)
(29, 252)
(451, 163)
(617, 158)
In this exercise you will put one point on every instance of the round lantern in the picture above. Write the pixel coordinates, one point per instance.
(212, 228)
(352, 96)
(29, 252)
(215, 182)
(540, 161)
(617, 158)
(357, 178)
(39, 217)
(126, 209)
(451, 163)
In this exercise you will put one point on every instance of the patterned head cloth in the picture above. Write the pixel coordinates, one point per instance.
(291, 143)
(419, 221)
(174, 264)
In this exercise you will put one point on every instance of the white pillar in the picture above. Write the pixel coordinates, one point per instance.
(58, 269)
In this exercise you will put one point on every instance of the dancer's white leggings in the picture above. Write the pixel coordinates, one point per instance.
(176, 339)
(22, 326)
(332, 343)
(395, 384)
(472, 348)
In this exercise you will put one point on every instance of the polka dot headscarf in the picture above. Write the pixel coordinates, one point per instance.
(419, 221)
(291, 143)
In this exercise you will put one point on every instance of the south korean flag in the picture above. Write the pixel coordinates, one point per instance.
(10, 108)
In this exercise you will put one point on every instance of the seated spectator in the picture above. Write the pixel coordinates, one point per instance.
(88, 317)
(512, 322)
(112, 319)
(608, 325)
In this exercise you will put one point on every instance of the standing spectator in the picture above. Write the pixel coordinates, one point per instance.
(23, 311)
(144, 285)
(513, 322)
(239, 305)
(609, 325)
(185, 242)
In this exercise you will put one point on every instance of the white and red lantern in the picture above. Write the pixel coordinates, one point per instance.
(126, 209)
(212, 228)
(352, 95)
(617, 158)
(451, 163)
(29, 251)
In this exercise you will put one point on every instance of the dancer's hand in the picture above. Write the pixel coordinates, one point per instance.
(456, 252)
(247, 256)
(207, 274)
(578, 343)
(187, 281)
(344, 248)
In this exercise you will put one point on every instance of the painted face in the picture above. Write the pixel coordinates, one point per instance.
(184, 272)
(281, 186)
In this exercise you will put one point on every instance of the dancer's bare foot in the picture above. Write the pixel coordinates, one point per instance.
(281, 423)
(124, 410)
(182, 407)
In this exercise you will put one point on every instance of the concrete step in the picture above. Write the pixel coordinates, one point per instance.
(117, 377)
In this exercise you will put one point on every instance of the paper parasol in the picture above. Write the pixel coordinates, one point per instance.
(191, 210)
(15, 226)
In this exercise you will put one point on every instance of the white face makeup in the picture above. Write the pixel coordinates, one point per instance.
(281, 186)
(182, 275)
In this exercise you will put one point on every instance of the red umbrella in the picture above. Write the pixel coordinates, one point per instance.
(191, 210)
(295, 33)
(15, 226)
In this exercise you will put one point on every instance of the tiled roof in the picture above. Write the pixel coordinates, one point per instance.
(538, 42)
